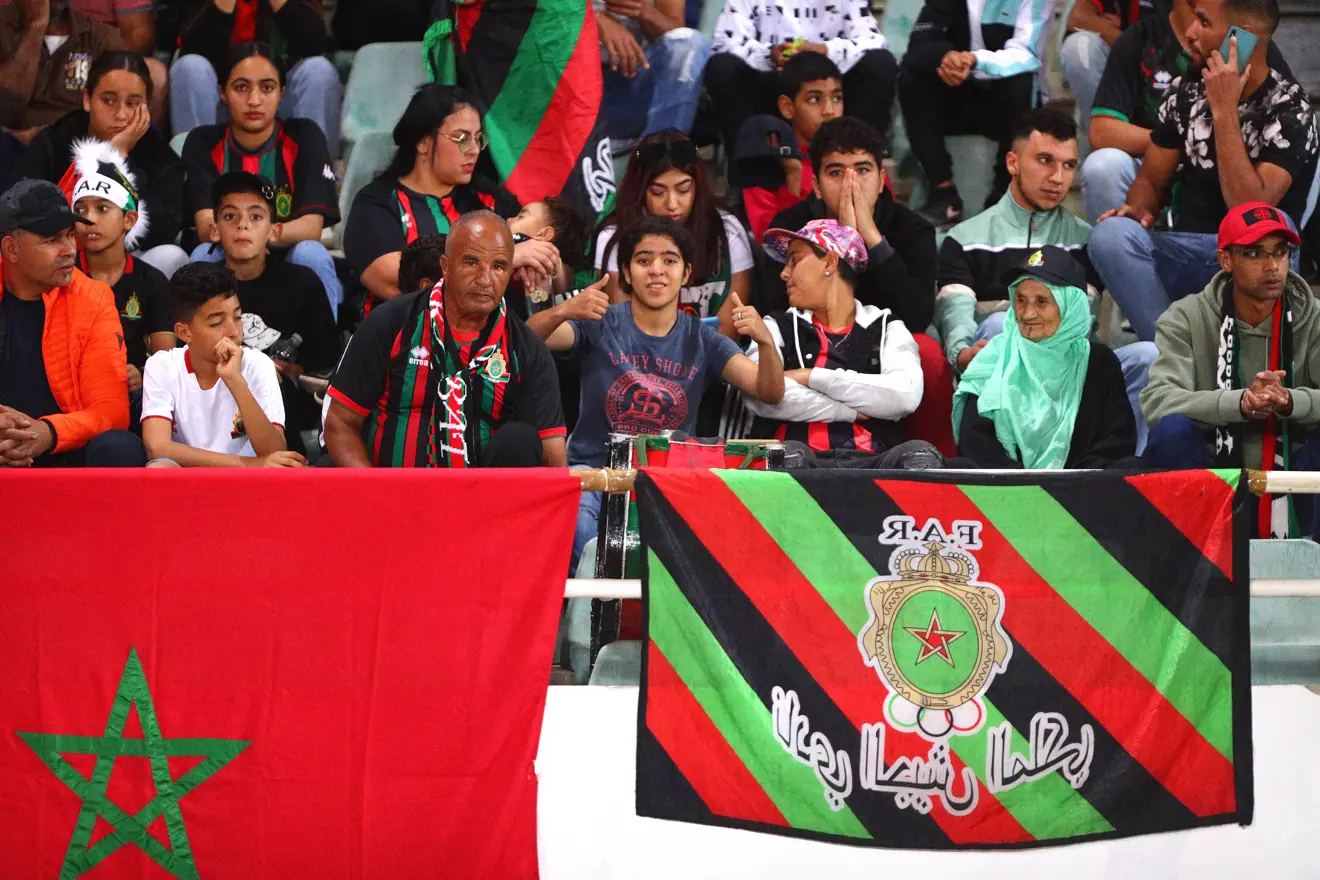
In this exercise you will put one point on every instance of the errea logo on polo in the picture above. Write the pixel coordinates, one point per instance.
(419, 356)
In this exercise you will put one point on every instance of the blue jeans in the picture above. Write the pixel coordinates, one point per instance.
(311, 254)
(1135, 359)
(311, 91)
(1083, 56)
(663, 96)
(1145, 271)
(1107, 175)
(1179, 443)
(587, 526)
(115, 449)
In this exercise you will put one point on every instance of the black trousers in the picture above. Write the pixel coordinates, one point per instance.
(933, 111)
(116, 449)
(738, 92)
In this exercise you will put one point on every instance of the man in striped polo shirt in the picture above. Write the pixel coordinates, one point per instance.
(448, 377)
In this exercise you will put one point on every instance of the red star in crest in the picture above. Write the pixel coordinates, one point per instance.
(934, 640)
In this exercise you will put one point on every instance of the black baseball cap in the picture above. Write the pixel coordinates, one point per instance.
(766, 136)
(243, 182)
(37, 206)
(1051, 264)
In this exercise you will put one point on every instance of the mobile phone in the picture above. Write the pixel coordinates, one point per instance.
(1246, 41)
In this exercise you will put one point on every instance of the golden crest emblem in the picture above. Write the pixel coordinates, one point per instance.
(283, 204)
(497, 369)
(934, 635)
(1036, 259)
(132, 308)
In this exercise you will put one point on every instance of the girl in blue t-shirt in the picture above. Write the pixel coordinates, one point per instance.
(645, 363)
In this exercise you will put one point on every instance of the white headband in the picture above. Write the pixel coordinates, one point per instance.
(102, 187)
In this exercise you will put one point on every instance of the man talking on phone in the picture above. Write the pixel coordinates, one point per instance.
(1231, 130)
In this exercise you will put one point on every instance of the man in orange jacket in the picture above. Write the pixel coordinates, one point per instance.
(63, 381)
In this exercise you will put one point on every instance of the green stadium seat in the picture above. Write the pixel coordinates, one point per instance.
(369, 158)
(619, 664)
(383, 80)
(1285, 633)
(176, 143)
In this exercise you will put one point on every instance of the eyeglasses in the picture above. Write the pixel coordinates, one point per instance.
(466, 141)
(1259, 254)
(679, 152)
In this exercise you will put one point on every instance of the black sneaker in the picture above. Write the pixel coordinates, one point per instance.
(943, 206)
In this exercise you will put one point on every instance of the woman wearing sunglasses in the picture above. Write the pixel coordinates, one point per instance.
(667, 179)
(427, 186)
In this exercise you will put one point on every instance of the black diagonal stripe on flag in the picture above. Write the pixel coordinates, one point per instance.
(1166, 563)
(1025, 686)
(667, 790)
(764, 661)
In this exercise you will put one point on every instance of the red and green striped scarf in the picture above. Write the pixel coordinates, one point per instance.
(471, 380)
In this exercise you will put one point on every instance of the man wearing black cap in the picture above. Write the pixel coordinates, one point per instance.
(63, 379)
(769, 167)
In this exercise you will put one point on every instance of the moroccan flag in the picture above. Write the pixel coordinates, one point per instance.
(273, 675)
(536, 66)
(945, 661)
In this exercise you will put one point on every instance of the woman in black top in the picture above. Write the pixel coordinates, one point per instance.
(115, 110)
(428, 186)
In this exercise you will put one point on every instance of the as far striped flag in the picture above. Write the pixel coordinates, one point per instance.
(536, 66)
(945, 661)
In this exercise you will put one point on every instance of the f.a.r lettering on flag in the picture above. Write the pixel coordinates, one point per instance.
(945, 662)
(272, 676)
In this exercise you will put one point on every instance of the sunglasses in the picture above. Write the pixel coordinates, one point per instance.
(678, 152)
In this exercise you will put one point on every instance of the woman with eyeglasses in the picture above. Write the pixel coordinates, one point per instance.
(666, 178)
(427, 186)
(291, 154)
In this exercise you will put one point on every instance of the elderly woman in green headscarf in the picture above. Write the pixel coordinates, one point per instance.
(1040, 395)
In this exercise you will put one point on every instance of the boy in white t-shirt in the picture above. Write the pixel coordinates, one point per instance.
(214, 403)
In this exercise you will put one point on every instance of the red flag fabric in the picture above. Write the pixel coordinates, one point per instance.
(275, 675)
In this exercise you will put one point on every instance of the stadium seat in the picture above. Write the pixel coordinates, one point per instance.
(176, 143)
(619, 664)
(383, 80)
(369, 158)
(1285, 633)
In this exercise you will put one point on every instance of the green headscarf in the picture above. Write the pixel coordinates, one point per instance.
(1031, 390)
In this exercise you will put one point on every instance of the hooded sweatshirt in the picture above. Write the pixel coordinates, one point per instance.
(1182, 379)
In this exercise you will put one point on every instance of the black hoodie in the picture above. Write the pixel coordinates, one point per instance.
(900, 270)
(156, 167)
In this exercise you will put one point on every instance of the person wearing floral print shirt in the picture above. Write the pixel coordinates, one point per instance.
(1220, 139)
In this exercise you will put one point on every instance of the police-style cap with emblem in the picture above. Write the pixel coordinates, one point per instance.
(243, 182)
(1249, 222)
(1050, 264)
(102, 173)
(37, 206)
(828, 235)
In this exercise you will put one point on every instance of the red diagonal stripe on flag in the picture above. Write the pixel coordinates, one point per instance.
(699, 750)
(1134, 712)
(552, 152)
(814, 633)
(1196, 509)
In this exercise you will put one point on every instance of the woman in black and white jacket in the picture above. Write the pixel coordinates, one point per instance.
(851, 371)
(753, 39)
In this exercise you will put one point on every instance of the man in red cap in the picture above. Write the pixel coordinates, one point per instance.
(1237, 380)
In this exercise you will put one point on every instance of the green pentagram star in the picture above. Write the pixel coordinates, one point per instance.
(51, 748)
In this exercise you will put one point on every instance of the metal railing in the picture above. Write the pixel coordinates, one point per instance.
(618, 481)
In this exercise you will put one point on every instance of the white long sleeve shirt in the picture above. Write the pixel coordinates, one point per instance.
(751, 28)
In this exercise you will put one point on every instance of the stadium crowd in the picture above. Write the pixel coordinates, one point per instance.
(180, 309)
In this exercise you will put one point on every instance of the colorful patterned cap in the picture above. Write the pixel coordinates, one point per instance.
(829, 235)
